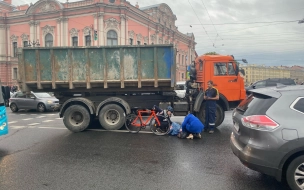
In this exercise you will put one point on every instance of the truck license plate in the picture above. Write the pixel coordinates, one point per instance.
(236, 126)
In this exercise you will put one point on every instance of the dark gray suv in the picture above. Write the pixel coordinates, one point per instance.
(268, 133)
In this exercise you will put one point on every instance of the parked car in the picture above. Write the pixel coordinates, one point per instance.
(41, 101)
(269, 83)
(268, 133)
(181, 89)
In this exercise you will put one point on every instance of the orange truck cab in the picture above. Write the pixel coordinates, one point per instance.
(224, 72)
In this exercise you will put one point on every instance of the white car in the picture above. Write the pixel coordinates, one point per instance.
(181, 89)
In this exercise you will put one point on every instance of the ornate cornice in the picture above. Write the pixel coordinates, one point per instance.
(87, 30)
(25, 37)
(131, 34)
(48, 30)
(97, 15)
(74, 32)
(14, 38)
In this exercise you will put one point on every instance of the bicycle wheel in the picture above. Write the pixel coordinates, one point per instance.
(160, 130)
(130, 125)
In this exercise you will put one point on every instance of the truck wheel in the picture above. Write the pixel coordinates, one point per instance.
(111, 117)
(294, 173)
(220, 114)
(76, 118)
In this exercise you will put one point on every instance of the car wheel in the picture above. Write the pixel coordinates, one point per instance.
(76, 118)
(14, 107)
(112, 117)
(295, 173)
(41, 107)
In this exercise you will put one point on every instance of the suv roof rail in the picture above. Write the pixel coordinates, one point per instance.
(279, 85)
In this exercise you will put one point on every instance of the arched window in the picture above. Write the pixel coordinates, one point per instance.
(112, 39)
(49, 40)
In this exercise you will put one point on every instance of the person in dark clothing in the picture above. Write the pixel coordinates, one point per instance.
(163, 117)
(211, 96)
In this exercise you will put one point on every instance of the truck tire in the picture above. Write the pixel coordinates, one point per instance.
(111, 117)
(220, 114)
(293, 173)
(76, 118)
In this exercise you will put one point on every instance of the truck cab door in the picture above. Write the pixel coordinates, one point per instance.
(227, 80)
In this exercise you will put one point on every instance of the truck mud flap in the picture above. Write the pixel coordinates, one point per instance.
(198, 101)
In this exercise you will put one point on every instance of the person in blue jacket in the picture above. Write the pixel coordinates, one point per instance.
(193, 126)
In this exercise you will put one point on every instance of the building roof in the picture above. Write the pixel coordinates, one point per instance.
(151, 6)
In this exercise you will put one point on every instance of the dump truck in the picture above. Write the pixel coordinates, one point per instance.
(108, 83)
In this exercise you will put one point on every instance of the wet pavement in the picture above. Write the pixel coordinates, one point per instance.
(47, 156)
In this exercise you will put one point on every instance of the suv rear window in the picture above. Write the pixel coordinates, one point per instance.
(256, 104)
(299, 105)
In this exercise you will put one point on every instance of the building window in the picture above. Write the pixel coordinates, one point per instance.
(75, 41)
(15, 49)
(112, 1)
(49, 40)
(15, 73)
(179, 58)
(145, 44)
(182, 76)
(131, 41)
(138, 42)
(112, 38)
(182, 59)
(25, 43)
(88, 40)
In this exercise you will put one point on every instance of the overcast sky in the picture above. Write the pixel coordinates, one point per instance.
(261, 31)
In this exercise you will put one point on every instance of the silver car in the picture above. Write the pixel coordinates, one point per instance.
(268, 133)
(41, 101)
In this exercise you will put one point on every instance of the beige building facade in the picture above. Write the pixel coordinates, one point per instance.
(255, 72)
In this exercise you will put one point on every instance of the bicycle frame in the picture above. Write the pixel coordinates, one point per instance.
(139, 116)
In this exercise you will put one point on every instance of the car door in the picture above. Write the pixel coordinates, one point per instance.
(30, 102)
(19, 100)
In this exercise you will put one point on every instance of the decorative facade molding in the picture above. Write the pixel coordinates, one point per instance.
(74, 32)
(123, 17)
(131, 34)
(87, 31)
(97, 15)
(34, 23)
(160, 41)
(112, 23)
(138, 37)
(14, 38)
(153, 38)
(46, 7)
(48, 30)
(25, 37)
(166, 42)
(62, 19)
(146, 39)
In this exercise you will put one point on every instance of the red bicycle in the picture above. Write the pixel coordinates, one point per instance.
(159, 125)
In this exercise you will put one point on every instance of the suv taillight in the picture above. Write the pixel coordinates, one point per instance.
(259, 122)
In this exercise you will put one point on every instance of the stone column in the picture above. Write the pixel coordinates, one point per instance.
(58, 36)
(123, 30)
(65, 34)
(32, 30)
(3, 43)
(37, 32)
(157, 37)
(100, 31)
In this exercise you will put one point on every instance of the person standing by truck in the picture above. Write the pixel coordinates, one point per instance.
(211, 96)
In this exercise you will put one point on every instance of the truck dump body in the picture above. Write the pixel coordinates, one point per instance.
(99, 68)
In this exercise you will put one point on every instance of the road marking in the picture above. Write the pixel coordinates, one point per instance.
(118, 131)
(32, 124)
(51, 128)
(59, 118)
(11, 122)
(51, 114)
(27, 119)
(33, 114)
(16, 127)
(46, 121)
(40, 117)
(22, 114)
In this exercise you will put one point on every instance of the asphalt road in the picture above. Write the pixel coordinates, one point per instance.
(39, 153)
